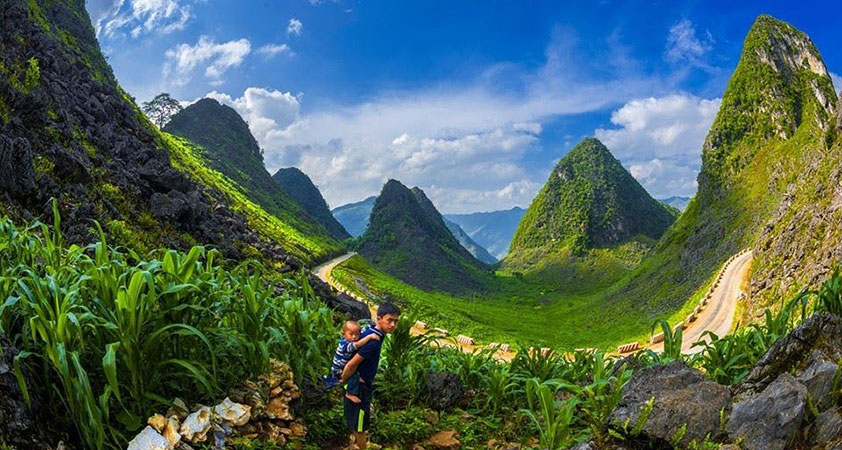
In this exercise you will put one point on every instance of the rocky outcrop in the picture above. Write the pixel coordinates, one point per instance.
(22, 426)
(683, 398)
(770, 419)
(788, 400)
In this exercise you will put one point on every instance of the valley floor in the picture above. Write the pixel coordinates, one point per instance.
(525, 313)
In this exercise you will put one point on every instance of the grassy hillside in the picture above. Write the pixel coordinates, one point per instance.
(407, 238)
(301, 189)
(230, 149)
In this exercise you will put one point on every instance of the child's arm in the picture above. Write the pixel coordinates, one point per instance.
(366, 340)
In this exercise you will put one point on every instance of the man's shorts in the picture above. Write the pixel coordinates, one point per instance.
(358, 415)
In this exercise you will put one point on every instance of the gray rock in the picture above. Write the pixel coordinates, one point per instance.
(682, 396)
(443, 390)
(17, 174)
(769, 420)
(350, 306)
(819, 332)
(826, 428)
(818, 377)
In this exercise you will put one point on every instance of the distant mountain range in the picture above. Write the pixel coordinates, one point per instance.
(493, 230)
(302, 190)
(679, 203)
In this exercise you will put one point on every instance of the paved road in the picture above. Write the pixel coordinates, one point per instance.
(718, 315)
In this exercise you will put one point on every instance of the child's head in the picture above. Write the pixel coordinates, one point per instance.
(351, 330)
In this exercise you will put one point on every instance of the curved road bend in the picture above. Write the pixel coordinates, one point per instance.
(718, 314)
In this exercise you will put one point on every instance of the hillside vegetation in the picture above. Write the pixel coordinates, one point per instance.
(301, 189)
(407, 238)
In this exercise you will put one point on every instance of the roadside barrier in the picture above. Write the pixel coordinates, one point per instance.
(465, 340)
(628, 348)
(441, 331)
(657, 338)
(421, 325)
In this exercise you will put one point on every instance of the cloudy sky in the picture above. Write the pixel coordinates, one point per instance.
(474, 102)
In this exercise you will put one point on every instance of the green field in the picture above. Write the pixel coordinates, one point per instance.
(517, 310)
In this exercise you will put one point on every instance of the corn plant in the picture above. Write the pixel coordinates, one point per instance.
(599, 397)
(499, 388)
(526, 365)
(554, 419)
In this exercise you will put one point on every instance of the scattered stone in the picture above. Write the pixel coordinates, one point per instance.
(818, 377)
(682, 397)
(445, 440)
(196, 425)
(769, 420)
(149, 439)
(278, 409)
(179, 409)
(232, 413)
(158, 422)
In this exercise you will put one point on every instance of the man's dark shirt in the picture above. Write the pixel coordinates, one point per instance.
(371, 354)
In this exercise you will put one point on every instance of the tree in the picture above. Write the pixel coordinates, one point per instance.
(161, 108)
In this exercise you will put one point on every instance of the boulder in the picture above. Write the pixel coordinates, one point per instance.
(769, 420)
(443, 390)
(350, 306)
(17, 173)
(820, 333)
(826, 428)
(818, 377)
(682, 397)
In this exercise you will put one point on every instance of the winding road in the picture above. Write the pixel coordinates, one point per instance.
(717, 316)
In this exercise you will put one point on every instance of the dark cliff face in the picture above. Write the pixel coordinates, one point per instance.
(301, 189)
(590, 201)
(70, 132)
(407, 238)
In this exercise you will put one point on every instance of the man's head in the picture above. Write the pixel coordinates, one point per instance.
(351, 330)
(387, 317)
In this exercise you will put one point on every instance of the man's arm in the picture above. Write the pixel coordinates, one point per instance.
(366, 340)
(351, 367)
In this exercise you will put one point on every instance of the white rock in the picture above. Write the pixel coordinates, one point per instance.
(196, 425)
(149, 439)
(233, 413)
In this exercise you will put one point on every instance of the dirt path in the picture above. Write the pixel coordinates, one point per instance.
(718, 314)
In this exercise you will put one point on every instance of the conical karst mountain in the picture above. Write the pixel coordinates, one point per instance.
(590, 201)
(302, 190)
(767, 180)
(406, 237)
(230, 148)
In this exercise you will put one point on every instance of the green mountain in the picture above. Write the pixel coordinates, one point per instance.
(589, 202)
(492, 230)
(354, 216)
(302, 190)
(230, 148)
(70, 132)
(408, 239)
(766, 180)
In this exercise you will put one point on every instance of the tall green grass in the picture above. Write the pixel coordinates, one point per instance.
(115, 336)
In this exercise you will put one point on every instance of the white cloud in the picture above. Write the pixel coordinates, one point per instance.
(183, 59)
(270, 50)
(294, 27)
(660, 140)
(837, 82)
(139, 17)
(683, 45)
(465, 144)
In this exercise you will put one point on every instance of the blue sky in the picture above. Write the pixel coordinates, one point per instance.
(471, 101)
